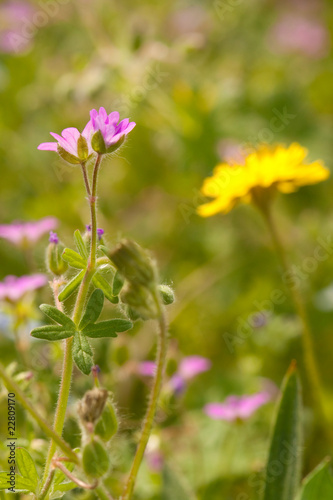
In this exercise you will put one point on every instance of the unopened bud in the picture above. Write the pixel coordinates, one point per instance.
(167, 294)
(55, 264)
(140, 300)
(134, 263)
(91, 407)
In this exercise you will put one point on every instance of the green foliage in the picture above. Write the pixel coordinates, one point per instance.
(283, 470)
(93, 308)
(319, 484)
(28, 479)
(107, 425)
(82, 353)
(71, 286)
(100, 282)
(95, 459)
(74, 259)
(107, 328)
(80, 244)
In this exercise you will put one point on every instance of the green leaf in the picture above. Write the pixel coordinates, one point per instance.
(51, 332)
(21, 483)
(27, 466)
(108, 328)
(100, 282)
(71, 286)
(74, 259)
(318, 485)
(118, 282)
(80, 244)
(82, 353)
(93, 309)
(57, 316)
(283, 471)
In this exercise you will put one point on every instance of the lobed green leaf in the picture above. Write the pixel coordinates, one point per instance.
(21, 483)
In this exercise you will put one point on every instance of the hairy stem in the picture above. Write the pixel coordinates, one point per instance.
(67, 367)
(153, 400)
(13, 387)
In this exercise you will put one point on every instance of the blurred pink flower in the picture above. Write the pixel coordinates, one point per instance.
(190, 366)
(147, 368)
(293, 33)
(12, 288)
(108, 125)
(237, 407)
(13, 15)
(21, 233)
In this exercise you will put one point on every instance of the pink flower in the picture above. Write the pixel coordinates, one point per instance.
(293, 33)
(112, 132)
(147, 368)
(13, 14)
(21, 233)
(190, 366)
(13, 288)
(237, 407)
(68, 145)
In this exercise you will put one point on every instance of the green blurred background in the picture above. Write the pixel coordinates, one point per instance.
(204, 81)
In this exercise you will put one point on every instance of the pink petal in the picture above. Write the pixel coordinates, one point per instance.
(48, 146)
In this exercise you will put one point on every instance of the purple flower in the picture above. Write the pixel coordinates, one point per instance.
(177, 384)
(53, 238)
(237, 407)
(21, 233)
(12, 288)
(100, 231)
(68, 145)
(111, 132)
(147, 368)
(190, 366)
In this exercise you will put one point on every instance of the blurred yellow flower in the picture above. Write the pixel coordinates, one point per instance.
(268, 169)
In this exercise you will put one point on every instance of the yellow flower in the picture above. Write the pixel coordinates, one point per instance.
(267, 169)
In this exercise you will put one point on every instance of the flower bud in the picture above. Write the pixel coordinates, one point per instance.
(167, 294)
(95, 459)
(107, 425)
(54, 261)
(140, 300)
(91, 407)
(134, 263)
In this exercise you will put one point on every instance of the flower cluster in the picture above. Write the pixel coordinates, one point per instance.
(102, 134)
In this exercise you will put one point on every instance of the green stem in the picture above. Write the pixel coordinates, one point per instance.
(308, 346)
(20, 396)
(47, 485)
(85, 178)
(67, 368)
(153, 400)
(93, 200)
(102, 493)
